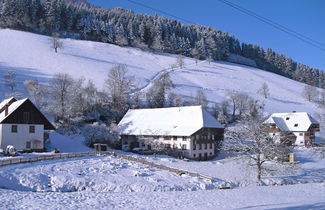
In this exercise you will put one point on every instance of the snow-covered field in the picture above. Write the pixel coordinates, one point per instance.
(106, 182)
(302, 196)
(310, 168)
(98, 174)
(31, 57)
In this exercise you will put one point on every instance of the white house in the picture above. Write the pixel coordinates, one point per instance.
(22, 125)
(300, 125)
(190, 130)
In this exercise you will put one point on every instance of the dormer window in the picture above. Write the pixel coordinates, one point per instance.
(296, 125)
(288, 118)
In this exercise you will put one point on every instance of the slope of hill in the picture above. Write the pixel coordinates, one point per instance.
(31, 57)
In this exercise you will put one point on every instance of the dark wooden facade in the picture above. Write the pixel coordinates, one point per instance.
(28, 113)
(207, 135)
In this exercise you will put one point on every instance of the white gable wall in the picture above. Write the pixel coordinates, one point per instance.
(19, 140)
(1, 136)
(300, 140)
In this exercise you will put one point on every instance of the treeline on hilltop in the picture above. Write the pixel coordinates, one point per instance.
(76, 19)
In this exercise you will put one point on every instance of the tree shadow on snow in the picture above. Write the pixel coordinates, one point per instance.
(22, 74)
(291, 207)
(103, 61)
(285, 101)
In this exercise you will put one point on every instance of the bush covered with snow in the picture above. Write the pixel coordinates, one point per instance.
(100, 133)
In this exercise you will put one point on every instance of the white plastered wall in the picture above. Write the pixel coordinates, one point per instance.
(20, 139)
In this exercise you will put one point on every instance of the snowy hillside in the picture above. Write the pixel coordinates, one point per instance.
(31, 57)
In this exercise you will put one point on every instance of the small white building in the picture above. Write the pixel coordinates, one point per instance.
(22, 125)
(299, 125)
(190, 130)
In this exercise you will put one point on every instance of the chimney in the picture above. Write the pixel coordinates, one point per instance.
(6, 109)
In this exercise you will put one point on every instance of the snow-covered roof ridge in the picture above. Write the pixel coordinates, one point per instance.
(173, 121)
(292, 121)
(12, 108)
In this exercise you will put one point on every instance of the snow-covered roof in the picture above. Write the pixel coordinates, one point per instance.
(293, 121)
(6, 101)
(11, 108)
(174, 121)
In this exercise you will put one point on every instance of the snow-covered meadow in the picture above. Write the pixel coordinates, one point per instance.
(98, 174)
(106, 182)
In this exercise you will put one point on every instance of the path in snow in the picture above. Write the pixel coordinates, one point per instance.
(163, 71)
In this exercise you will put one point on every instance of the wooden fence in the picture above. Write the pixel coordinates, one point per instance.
(86, 154)
(17, 160)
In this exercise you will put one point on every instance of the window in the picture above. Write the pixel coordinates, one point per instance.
(197, 137)
(296, 125)
(210, 145)
(200, 146)
(205, 146)
(184, 138)
(167, 138)
(32, 129)
(301, 134)
(288, 118)
(194, 155)
(167, 146)
(210, 153)
(14, 129)
(28, 145)
(26, 117)
(194, 146)
(175, 138)
(174, 146)
(184, 147)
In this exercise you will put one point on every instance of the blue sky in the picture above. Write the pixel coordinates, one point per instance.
(304, 16)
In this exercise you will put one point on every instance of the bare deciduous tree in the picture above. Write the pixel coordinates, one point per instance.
(37, 91)
(238, 102)
(60, 90)
(174, 100)
(310, 93)
(90, 93)
(201, 99)
(10, 80)
(322, 99)
(251, 139)
(180, 61)
(156, 95)
(264, 91)
(223, 112)
(56, 43)
(119, 84)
